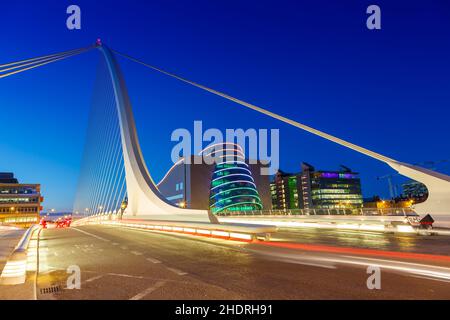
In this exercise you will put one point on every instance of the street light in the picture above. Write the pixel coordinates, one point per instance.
(123, 206)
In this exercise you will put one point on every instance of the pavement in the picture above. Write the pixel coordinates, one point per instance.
(8, 241)
(124, 263)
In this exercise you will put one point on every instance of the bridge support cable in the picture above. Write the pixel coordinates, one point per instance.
(263, 111)
(41, 57)
(28, 64)
(438, 184)
(101, 184)
(18, 63)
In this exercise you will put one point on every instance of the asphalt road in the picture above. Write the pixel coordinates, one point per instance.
(403, 242)
(118, 263)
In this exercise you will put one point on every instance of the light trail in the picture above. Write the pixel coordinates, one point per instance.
(357, 251)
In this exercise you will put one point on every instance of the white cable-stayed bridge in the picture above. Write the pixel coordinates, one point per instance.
(114, 169)
(155, 251)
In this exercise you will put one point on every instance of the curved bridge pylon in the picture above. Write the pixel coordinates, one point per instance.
(144, 198)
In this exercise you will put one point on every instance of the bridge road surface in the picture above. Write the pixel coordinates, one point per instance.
(121, 263)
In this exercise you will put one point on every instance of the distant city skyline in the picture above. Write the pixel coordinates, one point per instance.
(317, 63)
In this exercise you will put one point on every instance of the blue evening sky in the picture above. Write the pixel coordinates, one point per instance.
(312, 61)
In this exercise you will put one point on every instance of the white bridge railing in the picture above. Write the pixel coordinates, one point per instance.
(312, 212)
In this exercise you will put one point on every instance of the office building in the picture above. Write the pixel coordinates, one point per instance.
(311, 189)
(414, 190)
(20, 204)
(222, 186)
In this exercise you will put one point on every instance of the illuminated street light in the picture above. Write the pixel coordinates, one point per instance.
(123, 206)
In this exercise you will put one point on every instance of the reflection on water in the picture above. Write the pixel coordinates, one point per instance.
(369, 240)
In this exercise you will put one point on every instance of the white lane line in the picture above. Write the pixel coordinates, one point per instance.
(136, 253)
(94, 278)
(124, 247)
(152, 260)
(147, 291)
(428, 278)
(90, 234)
(178, 272)
(115, 244)
(319, 265)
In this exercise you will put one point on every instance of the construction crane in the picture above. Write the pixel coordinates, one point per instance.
(392, 187)
(393, 191)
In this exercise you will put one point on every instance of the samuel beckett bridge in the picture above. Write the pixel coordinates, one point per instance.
(123, 214)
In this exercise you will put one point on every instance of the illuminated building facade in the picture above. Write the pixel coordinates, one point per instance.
(284, 191)
(232, 185)
(312, 189)
(20, 204)
(414, 190)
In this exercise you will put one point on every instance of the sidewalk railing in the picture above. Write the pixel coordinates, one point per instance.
(225, 231)
(312, 212)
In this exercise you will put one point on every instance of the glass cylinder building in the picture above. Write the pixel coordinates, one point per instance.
(232, 185)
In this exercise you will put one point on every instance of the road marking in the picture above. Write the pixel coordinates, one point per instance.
(152, 260)
(147, 291)
(136, 253)
(178, 272)
(312, 264)
(90, 234)
(115, 244)
(94, 278)
(42, 261)
(428, 278)
(124, 247)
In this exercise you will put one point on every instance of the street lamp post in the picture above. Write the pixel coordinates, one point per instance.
(123, 206)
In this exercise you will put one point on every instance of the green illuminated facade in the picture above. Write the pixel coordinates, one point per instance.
(232, 185)
(312, 189)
